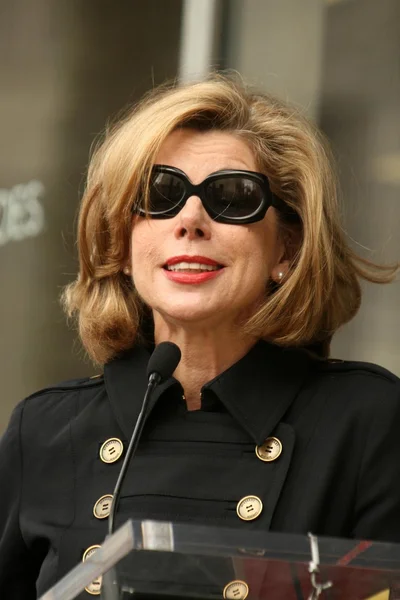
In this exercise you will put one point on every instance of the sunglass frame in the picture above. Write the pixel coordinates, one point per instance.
(199, 190)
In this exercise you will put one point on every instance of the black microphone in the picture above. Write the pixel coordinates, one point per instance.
(162, 364)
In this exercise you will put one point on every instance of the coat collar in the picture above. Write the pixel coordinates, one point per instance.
(257, 390)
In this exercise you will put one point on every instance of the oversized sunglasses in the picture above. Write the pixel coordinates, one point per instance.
(228, 196)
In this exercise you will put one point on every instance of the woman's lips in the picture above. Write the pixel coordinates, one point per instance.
(189, 269)
(186, 258)
(191, 276)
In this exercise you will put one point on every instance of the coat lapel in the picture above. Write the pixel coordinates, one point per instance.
(257, 390)
(126, 384)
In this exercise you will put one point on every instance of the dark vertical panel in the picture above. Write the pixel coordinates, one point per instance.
(65, 68)
(360, 113)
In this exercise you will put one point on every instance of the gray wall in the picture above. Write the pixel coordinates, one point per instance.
(65, 68)
(360, 112)
(278, 46)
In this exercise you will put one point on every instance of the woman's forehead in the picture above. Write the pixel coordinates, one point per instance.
(188, 148)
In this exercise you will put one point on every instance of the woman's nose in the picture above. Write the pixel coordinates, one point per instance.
(192, 220)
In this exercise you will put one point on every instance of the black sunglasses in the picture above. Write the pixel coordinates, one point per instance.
(228, 196)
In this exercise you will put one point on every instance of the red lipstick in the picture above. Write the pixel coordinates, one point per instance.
(204, 260)
(191, 276)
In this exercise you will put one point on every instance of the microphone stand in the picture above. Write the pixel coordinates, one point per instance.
(110, 588)
(162, 364)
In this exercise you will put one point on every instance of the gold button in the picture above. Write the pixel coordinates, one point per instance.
(94, 587)
(249, 508)
(102, 508)
(111, 450)
(270, 450)
(236, 590)
(90, 551)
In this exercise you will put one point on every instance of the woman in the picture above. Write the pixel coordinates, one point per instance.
(210, 220)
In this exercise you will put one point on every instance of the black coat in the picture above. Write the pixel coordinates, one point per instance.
(338, 474)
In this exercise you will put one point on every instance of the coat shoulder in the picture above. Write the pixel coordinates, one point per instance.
(358, 369)
(366, 386)
(59, 397)
(70, 385)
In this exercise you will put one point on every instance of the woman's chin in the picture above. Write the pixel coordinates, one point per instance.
(188, 316)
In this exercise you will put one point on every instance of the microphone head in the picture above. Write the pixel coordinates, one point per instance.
(164, 360)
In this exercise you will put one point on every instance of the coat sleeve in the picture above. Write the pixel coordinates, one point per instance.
(18, 568)
(377, 510)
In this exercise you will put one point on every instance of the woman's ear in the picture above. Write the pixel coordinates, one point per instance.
(126, 266)
(291, 237)
(280, 271)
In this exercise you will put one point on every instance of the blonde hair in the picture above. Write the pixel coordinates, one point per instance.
(322, 291)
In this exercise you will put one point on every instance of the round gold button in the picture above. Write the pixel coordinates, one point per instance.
(90, 551)
(249, 508)
(111, 450)
(102, 508)
(94, 588)
(236, 590)
(270, 450)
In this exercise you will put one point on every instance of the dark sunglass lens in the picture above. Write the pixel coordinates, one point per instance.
(166, 191)
(234, 197)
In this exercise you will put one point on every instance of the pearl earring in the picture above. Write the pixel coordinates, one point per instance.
(280, 276)
(127, 270)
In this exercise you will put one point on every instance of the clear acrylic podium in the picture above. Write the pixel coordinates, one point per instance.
(157, 560)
